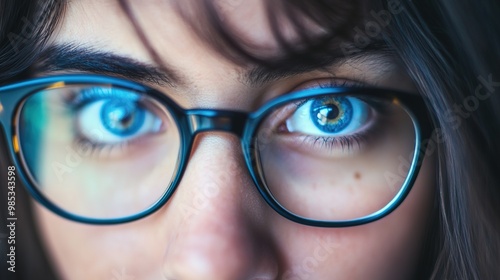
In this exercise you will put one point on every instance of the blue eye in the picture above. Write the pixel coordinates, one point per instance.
(111, 116)
(329, 116)
(122, 117)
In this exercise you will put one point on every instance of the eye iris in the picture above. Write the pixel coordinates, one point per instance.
(331, 114)
(122, 117)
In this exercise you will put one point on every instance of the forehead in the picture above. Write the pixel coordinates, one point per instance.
(103, 25)
(103, 21)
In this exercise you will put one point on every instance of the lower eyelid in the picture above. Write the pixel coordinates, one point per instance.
(325, 147)
(91, 149)
(108, 151)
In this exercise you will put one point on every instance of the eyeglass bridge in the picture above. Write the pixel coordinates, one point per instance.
(221, 120)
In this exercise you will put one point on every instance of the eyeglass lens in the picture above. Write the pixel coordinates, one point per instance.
(99, 151)
(105, 152)
(336, 157)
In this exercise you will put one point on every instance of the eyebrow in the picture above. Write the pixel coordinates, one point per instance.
(262, 74)
(68, 57)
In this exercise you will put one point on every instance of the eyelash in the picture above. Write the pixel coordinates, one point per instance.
(330, 83)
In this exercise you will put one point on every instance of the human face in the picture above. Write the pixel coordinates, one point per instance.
(233, 234)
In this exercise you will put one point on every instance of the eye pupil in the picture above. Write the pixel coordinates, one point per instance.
(122, 117)
(331, 114)
(328, 114)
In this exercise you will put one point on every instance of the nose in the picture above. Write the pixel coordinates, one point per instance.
(220, 226)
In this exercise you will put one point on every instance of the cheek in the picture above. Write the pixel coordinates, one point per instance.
(92, 188)
(386, 249)
(100, 252)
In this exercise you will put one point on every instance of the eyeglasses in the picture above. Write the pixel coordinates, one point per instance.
(103, 150)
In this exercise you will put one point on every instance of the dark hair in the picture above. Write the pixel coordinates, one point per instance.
(25, 27)
(450, 50)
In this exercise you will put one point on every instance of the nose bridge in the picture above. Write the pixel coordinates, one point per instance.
(217, 120)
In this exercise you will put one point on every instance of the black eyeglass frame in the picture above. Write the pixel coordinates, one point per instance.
(194, 121)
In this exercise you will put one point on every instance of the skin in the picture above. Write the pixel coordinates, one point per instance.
(229, 233)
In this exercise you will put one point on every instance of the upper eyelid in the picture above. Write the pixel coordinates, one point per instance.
(329, 82)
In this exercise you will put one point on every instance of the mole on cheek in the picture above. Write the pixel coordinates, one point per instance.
(357, 175)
